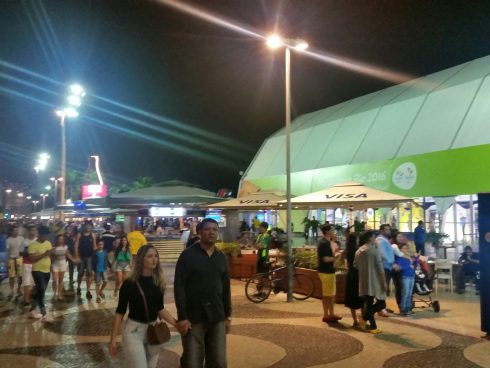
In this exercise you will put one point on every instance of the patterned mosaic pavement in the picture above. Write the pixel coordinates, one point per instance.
(272, 334)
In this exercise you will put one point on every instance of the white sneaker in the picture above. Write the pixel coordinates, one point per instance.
(35, 314)
(48, 318)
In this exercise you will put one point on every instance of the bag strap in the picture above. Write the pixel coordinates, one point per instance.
(144, 301)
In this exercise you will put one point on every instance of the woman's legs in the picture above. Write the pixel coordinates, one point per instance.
(355, 320)
(55, 284)
(119, 277)
(60, 285)
(138, 354)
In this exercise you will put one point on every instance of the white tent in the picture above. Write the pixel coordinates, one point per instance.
(255, 201)
(351, 195)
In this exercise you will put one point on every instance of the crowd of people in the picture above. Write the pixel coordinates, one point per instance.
(37, 255)
(374, 260)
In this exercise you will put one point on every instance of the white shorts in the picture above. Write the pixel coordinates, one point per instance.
(60, 266)
(27, 279)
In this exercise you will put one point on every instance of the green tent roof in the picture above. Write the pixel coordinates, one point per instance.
(443, 111)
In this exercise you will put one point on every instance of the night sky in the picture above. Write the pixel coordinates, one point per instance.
(172, 96)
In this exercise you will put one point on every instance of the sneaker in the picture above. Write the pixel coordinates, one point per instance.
(79, 291)
(375, 331)
(35, 314)
(98, 299)
(88, 295)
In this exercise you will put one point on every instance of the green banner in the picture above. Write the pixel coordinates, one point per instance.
(442, 173)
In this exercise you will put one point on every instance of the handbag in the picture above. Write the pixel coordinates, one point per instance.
(158, 332)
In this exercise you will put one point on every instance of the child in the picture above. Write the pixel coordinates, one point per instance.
(100, 258)
(407, 266)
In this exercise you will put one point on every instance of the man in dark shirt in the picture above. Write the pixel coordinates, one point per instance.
(109, 239)
(326, 272)
(470, 262)
(203, 300)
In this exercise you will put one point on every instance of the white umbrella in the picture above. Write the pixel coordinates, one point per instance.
(351, 195)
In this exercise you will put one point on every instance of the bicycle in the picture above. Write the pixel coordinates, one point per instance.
(259, 286)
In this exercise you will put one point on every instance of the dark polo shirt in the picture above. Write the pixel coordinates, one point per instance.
(202, 286)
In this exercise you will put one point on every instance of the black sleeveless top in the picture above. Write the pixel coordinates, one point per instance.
(86, 245)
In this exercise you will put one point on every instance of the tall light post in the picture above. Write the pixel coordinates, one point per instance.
(56, 181)
(35, 202)
(44, 199)
(275, 42)
(74, 101)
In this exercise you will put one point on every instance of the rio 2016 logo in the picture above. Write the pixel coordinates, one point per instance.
(405, 176)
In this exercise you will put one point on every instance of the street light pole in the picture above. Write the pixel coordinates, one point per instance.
(63, 165)
(275, 42)
(287, 54)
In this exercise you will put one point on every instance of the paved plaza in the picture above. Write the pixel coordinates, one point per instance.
(271, 334)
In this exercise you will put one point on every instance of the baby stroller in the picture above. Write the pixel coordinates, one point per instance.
(422, 290)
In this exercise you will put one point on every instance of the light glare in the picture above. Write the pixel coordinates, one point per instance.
(77, 90)
(301, 45)
(70, 112)
(274, 41)
(74, 100)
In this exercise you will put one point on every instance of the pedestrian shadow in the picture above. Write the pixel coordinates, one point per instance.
(398, 339)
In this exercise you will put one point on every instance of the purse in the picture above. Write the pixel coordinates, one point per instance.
(158, 332)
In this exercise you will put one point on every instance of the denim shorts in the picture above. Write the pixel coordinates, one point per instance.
(100, 277)
(85, 266)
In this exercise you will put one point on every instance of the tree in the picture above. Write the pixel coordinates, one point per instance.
(142, 182)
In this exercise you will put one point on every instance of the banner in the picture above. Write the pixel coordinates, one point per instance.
(442, 173)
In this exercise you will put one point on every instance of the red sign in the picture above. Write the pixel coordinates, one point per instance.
(94, 191)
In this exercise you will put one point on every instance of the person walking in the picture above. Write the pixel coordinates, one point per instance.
(71, 237)
(14, 249)
(84, 251)
(352, 299)
(136, 240)
(388, 257)
(146, 279)
(123, 262)
(109, 240)
(27, 280)
(203, 301)
(407, 266)
(372, 282)
(40, 254)
(419, 238)
(262, 244)
(326, 273)
(100, 266)
(59, 266)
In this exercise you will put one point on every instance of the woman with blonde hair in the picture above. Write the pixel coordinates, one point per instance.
(146, 278)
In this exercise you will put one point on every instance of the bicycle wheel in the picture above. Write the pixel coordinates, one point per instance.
(303, 287)
(258, 288)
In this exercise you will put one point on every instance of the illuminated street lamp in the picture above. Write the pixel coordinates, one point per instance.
(74, 101)
(20, 195)
(8, 191)
(42, 162)
(35, 204)
(44, 199)
(275, 42)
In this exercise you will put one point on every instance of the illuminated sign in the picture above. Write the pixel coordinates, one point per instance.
(94, 191)
(167, 211)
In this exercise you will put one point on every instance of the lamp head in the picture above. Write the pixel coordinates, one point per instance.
(274, 41)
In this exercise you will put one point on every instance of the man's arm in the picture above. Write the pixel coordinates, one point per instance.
(227, 296)
(179, 289)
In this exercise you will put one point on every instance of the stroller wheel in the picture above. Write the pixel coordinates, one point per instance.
(436, 306)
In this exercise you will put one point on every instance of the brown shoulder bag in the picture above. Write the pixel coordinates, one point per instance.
(157, 332)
